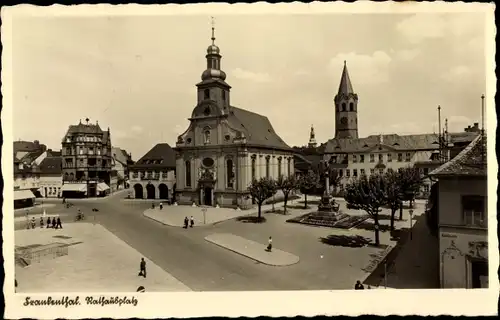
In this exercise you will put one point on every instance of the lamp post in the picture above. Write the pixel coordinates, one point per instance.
(204, 210)
(411, 224)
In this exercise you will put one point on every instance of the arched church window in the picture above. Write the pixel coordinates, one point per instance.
(229, 173)
(188, 173)
(351, 106)
(206, 135)
(253, 169)
(267, 166)
(344, 107)
(206, 94)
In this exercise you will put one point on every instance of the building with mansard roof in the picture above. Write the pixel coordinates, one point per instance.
(354, 156)
(225, 147)
(153, 175)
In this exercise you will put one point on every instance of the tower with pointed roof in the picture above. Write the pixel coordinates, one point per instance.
(312, 139)
(346, 109)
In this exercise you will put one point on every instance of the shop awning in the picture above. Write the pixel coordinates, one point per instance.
(79, 187)
(23, 194)
(101, 186)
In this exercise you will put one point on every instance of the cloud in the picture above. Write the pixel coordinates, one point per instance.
(422, 26)
(407, 54)
(251, 76)
(118, 134)
(137, 129)
(363, 69)
(457, 73)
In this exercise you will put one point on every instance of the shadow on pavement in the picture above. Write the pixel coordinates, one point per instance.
(368, 225)
(353, 241)
(251, 219)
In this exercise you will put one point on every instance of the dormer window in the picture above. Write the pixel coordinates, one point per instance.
(206, 94)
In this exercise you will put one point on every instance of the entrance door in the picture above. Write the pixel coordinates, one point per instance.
(207, 192)
(479, 273)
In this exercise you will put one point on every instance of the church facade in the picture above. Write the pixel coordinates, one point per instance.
(225, 147)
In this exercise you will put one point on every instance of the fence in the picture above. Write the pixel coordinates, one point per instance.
(51, 251)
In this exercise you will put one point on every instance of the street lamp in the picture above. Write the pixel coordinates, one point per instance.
(204, 210)
(411, 224)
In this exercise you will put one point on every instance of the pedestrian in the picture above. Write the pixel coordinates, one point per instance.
(152, 205)
(161, 205)
(186, 221)
(41, 222)
(64, 200)
(192, 221)
(54, 223)
(142, 271)
(269, 244)
(48, 222)
(369, 287)
(33, 223)
(58, 223)
(358, 286)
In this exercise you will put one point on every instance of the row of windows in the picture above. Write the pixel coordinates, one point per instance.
(53, 190)
(82, 151)
(344, 107)
(85, 139)
(361, 158)
(149, 174)
(474, 211)
(230, 177)
(362, 172)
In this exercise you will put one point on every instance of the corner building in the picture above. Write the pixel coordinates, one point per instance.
(225, 147)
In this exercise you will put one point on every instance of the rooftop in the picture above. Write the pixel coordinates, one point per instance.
(51, 165)
(160, 156)
(470, 162)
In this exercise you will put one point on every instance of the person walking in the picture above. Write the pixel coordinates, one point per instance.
(186, 221)
(54, 223)
(192, 221)
(58, 223)
(142, 267)
(33, 223)
(358, 286)
(161, 205)
(41, 222)
(269, 244)
(48, 222)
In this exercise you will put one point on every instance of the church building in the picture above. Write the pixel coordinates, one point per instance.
(225, 147)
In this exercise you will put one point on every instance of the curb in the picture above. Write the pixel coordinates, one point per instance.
(244, 255)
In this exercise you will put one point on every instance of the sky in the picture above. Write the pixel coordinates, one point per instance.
(137, 74)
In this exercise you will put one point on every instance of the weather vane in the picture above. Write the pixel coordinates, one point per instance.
(213, 30)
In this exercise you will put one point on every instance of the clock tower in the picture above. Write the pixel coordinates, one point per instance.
(346, 109)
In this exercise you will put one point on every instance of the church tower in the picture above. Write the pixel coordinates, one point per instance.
(213, 87)
(312, 139)
(346, 109)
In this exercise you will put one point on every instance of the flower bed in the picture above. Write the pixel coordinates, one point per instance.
(342, 220)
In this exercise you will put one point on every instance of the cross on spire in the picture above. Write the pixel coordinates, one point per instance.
(213, 30)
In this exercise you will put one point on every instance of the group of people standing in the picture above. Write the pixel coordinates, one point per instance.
(51, 223)
(188, 222)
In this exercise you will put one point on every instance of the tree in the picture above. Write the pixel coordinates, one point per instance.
(286, 185)
(307, 184)
(261, 190)
(368, 194)
(411, 181)
(393, 193)
(334, 177)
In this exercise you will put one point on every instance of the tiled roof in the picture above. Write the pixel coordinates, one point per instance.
(470, 162)
(463, 137)
(52, 153)
(394, 141)
(88, 129)
(257, 129)
(51, 165)
(27, 146)
(345, 86)
(160, 156)
(120, 155)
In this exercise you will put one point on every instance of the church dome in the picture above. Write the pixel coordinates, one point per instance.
(213, 49)
(213, 73)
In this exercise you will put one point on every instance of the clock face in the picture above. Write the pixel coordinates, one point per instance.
(343, 120)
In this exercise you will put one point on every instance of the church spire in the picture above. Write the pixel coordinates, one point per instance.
(213, 31)
(345, 86)
(312, 138)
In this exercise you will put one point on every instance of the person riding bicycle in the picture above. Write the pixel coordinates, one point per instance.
(79, 216)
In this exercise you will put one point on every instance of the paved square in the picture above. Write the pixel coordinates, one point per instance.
(97, 261)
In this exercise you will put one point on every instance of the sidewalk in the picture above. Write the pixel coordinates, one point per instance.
(97, 261)
(174, 215)
(253, 250)
(37, 206)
